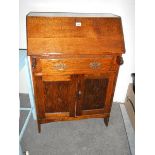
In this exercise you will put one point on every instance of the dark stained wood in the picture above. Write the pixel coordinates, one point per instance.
(60, 96)
(72, 95)
(56, 93)
(79, 94)
(94, 93)
(93, 89)
(74, 68)
(93, 111)
(106, 121)
(39, 126)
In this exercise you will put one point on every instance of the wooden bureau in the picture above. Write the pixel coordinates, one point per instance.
(75, 59)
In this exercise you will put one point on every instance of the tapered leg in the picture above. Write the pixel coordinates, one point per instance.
(106, 121)
(39, 127)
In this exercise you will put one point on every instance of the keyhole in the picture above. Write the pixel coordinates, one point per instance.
(78, 23)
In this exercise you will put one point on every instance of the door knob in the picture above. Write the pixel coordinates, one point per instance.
(80, 92)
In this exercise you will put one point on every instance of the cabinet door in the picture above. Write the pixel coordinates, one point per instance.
(94, 93)
(57, 96)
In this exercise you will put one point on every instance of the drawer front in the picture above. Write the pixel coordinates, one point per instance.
(76, 66)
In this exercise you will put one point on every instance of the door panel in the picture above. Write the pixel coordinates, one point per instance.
(56, 96)
(74, 95)
(93, 92)
(59, 96)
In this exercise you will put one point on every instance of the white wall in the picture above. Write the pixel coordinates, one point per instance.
(123, 8)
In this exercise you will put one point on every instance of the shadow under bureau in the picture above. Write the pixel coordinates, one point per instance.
(75, 59)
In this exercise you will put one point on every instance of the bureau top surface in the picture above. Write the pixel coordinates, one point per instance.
(70, 14)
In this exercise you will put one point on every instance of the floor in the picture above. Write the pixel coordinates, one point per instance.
(84, 137)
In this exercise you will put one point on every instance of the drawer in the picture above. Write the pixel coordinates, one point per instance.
(76, 65)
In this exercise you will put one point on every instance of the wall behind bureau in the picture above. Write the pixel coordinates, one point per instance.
(123, 8)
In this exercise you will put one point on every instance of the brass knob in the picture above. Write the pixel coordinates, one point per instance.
(60, 66)
(95, 65)
(79, 92)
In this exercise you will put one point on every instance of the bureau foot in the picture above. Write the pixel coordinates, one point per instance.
(39, 127)
(106, 121)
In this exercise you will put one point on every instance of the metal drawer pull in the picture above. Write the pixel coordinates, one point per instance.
(94, 65)
(60, 66)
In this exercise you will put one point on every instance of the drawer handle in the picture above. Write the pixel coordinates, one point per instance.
(95, 65)
(60, 66)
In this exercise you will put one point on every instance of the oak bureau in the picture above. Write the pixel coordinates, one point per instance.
(75, 59)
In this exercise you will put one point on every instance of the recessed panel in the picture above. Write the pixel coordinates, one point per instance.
(56, 94)
(94, 93)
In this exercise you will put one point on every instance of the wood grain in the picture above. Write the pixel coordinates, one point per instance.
(63, 27)
(39, 96)
(60, 114)
(56, 96)
(56, 119)
(94, 111)
(38, 46)
(75, 65)
(74, 68)
(94, 93)
(56, 78)
(60, 35)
